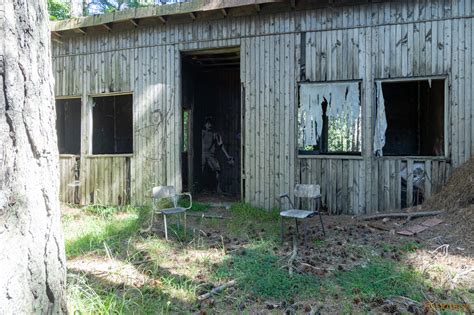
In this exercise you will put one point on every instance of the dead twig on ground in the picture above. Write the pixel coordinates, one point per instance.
(292, 257)
(206, 216)
(408, 215)
(217, 290)
(443, 247)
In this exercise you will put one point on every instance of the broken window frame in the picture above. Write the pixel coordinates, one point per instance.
(90, 121)
(316, 153)
(70, 97)
(445, 79)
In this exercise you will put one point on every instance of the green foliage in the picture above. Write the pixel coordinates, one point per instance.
(58, 10)
(259, 272)
(410, 246)
(99, 234)
(244, 211)
(88, 296)
(250, 220)
(381, 279)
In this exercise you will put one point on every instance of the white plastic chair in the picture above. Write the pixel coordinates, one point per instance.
(311, 192)
(169, 193)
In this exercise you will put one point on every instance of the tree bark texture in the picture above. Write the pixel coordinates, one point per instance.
(32, 259)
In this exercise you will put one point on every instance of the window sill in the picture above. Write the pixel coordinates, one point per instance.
(331, 156)
(412, 157)
(65, 155)
(92, 156)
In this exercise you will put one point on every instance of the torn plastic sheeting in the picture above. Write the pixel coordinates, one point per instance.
(343, 101)
(380, 122)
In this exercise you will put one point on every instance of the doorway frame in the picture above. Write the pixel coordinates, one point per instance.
(191, 153)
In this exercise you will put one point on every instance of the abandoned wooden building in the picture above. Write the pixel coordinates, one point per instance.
(370, 99)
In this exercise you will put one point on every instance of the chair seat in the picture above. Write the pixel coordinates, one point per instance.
(172, 210)
(298, 214)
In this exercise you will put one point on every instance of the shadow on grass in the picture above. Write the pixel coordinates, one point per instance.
(103, 235)
(90, 294)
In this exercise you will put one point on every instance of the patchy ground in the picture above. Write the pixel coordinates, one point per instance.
(113, 267)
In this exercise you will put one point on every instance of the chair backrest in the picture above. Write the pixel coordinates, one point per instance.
(307, 191)
(164, 192)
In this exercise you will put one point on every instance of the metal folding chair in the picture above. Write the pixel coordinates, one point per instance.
(161, 193)
(310, 192)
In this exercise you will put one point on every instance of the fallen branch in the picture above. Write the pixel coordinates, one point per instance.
(379, 227)
(408, 215)
(216, 290)
(207, 216)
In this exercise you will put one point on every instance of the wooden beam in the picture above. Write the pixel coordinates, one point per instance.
(107, 26)
(224, 12)
(258, 8)
(209, 65)
(57, 40)
(57, 34)
(193, 15)
(134, 22)
(162, 18)
(82, 30)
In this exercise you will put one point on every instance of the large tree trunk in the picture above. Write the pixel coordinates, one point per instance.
(32, 261)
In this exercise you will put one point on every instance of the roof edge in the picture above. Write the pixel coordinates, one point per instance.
(152, 11)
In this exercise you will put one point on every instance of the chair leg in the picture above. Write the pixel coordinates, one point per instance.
(321, 220)
(185, 225)
(305, 234)
(166, 226)
(281, 229)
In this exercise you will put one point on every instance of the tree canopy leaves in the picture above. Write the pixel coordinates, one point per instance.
(58, 10)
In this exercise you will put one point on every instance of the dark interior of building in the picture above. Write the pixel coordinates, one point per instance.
(211, 92)
(68, 124)
(415, 118)
(112, 126)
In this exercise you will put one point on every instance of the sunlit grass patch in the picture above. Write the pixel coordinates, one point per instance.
(381, 279)
(259, 271)
(88, 296)
(98, 234)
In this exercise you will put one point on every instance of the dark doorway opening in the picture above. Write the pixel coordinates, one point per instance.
(211, 142)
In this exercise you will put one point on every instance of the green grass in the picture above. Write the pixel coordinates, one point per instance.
(259, 272)
(95, 234)
(253, 222)
(381, 279)
(87, 296)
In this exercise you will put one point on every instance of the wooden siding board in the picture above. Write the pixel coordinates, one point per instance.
(96, 62)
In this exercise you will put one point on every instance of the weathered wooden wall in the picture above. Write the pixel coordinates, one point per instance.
(348, 192)
(369, 41)
(68, 192)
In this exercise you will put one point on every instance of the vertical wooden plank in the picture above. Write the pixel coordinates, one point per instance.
(344, 194)
(392, 185)
(339, 184)
(468, 104)
(428, 179)
(409, 183)
(398, 185)
(351, 195)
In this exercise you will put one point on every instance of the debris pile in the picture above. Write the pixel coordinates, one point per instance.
(458, 193)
